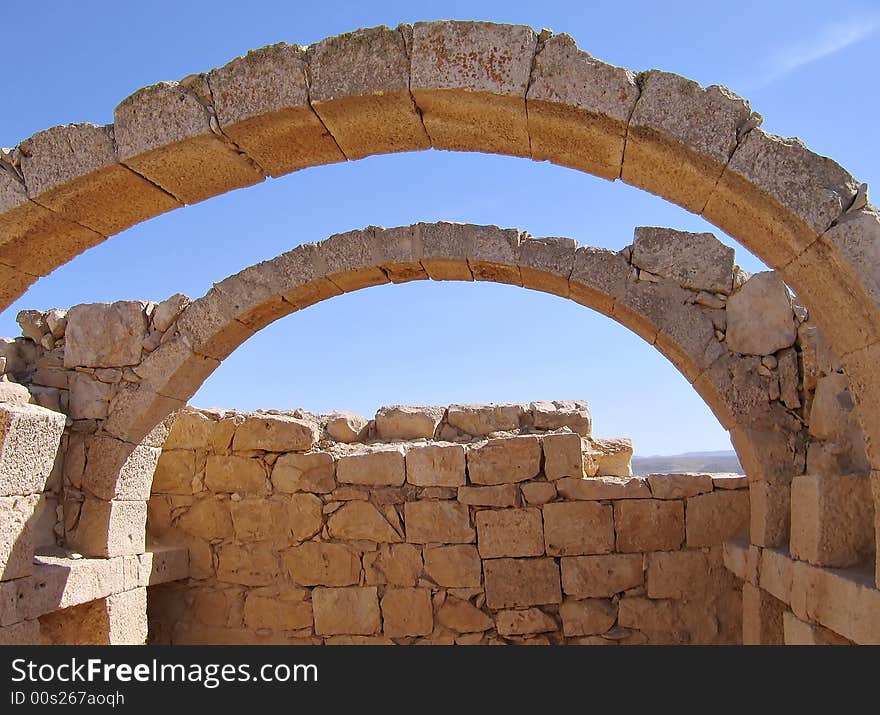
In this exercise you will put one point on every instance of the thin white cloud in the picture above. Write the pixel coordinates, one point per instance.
(831, 39)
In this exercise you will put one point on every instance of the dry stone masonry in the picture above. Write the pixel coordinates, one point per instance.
(794, 380)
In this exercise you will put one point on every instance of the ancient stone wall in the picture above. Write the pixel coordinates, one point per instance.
(466, 524)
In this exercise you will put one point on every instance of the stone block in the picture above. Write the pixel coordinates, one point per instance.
(697, 261)
(599, 488)
(310, 472)
(509, 532)
(592, 616)
(360, 520)
(346, 611)
(436, 465)
(274, 433)
(643, 525)
(601, 576)
(407, 612)
(17, 536)
(407, 422)
(377, 466)
(498, 496)
(455, 566)
(715, 517)
(504, 460)
(235, 474)
(463, 617)
(563, 456)
(482, 420)
(571, 529)
(679, 486)
(320, 564)
(396, 565)
(105, 334)
(442, 522)
(519, 583)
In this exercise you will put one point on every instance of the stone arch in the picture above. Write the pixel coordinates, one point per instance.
(677, 309)
(464, 86)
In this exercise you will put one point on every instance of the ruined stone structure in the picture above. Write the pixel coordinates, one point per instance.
(792, 380)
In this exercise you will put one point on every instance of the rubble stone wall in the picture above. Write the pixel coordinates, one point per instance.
(466, 524)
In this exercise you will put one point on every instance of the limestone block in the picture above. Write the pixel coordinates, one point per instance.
(577, 528)
(509, 532)
(770, 513)
(462, 617)
(537, 493)
(596, 488)
(396, 565)
(677, 574)
(16, 536)
(832, 519)
(350, 260)
(359, 520)
(614, 457)
(601, 576)
(176, 473)
(89, 399)
(715, 517)
(729, 481)
(11, 393)
(482, 420)
(311, 472)
(127, 616)
(275, 433)
(73, 170)
(578, 108)
(545, 264)
(680, 137)
(762, 617)
(257, 519)
(563, 456)
(315, 563)
(760, 320)
(360, 90)
(832, 408)
(352, 611)
(469, 80)
(643, 525)
(109, 528)
(191, 428)
(442, 522)
(407, 612)
(407, 422)
(500, 496)
(589, 617)
(777, 189)
(285, 610)
(679, 486)
(519, 583)
(504, 460)
(456, 566)
(775, 573)
(164, 132)
(436, 465)
(262, 104)
(248, 564)
(304, 516)
(346, 427)
(29, 441)
(211, 518)
(798, 632)
(524, 622)
(697, 261)
(104, 334)
(235, 474)
(558, 414)
(22, 633)
(375, 466)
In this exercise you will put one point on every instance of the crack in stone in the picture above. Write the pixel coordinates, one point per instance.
(418, 110)
(742, 131)
(149, 180)
(543, 36)
(68, 219)
(307, 72)
(639, 77)
(214, 123)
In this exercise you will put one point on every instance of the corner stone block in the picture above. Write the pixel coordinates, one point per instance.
(578, 108)
(832, 519)
(17, 516)
(164, 133)
(469, 81)
(105, 334)
(73, 170)
(262, 104)
(680, 137)
(29, 440)
(360, 90)
(119, 470)
(519, 583)
(109, 528)
(563, 456)
(715, 517)
(697, 261)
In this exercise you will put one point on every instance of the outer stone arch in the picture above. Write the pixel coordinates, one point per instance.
(661, 311)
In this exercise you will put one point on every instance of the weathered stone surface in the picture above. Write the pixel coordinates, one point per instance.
(287, 609)
(558, 414)
(578, 528)
(436, 465)
(537, 493)
(713, 518)
(453, 566)
(346, 427)
(798, 632)
(596, 488)
(375, 466)
(563, 456)
(509, 532)
(208, 519)
(89, 399)
(29, 440)
(235, 474)
(613, 457)
(16, 536)
(481, 420)
(677, 574)
(504, 460)
(524, 622)
(176, 473)
(353, 611)
(274, 433)
(643, 525)
(590, 617)
(831, 413)
(832, 521)
(11, 393)
(518, 583)
(500, 495)
(763, 294)
(396, 564)
(407, 612)
(730, 481)
(762, 617)
(442, 522)
(698, 261)
(311, 472)
(319, 564)
(304, 516)
(104, 334)
(463, 617)
(192, 429)
(407, 422)
(250, 565)
(601, 576)
(679, 486)
(358, 520)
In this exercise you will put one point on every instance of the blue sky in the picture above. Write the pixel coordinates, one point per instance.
(810, 68)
